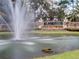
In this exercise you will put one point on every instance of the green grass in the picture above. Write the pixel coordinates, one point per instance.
(5, 33)
(57, 33)
(52, 33)
(66, 55)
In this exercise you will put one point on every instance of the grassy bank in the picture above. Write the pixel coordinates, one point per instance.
(5, 33)
(58, 33)
(52, 33)
(66, 55)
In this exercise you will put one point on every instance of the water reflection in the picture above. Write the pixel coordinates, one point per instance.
(27, 49)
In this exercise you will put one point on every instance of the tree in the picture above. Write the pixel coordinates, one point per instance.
(64, 5)
(74, 16)
(76, 11)
(40, 6)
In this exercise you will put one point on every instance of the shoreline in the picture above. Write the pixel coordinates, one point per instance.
(56, 33)
(65, 55)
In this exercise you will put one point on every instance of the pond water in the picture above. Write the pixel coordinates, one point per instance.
(31, 47)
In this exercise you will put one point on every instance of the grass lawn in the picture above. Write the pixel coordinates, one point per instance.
(5, 33)
(58, 33)
(52, 33)
(66, 55)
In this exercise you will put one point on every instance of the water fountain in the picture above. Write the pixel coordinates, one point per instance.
(21, 15)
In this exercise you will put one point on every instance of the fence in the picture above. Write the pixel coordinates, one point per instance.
(3, 27)
(71, 25)
(58, 25)
(53, 25)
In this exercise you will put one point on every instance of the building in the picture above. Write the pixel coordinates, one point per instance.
(57, 25)
(49, 24)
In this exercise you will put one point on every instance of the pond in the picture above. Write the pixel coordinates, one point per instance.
(31, 47)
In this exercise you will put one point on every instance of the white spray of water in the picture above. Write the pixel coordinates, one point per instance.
(21, 15)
